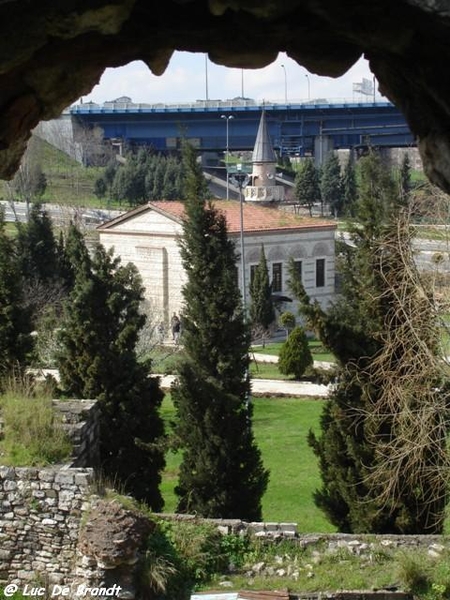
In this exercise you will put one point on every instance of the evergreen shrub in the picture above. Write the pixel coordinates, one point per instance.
(295, 356)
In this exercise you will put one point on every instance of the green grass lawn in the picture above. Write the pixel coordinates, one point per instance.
(263, 370)
(281, 426)
(165, 359)
(271, 348)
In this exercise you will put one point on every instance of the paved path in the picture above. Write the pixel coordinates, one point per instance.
(260, 387)
(272, 387)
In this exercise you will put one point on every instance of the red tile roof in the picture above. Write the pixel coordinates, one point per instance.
(256, 218)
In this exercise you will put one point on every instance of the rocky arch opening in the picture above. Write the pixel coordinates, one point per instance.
(50, 55)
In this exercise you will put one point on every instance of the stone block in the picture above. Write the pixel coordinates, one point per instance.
(25, 575)
(7, 473)
(256, 527)
(83, 479)
(289, 529)
(27, 473)
(66, 495)
(38, 494)
(9, 485)
(47, 475)
(65, 477)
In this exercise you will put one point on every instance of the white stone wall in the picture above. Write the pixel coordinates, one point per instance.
(150, 241)
(157, 258)
(307, 246)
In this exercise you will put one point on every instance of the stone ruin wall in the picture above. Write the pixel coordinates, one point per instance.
(41, 508)
(40, 516)
(56, 535)
(80, 419)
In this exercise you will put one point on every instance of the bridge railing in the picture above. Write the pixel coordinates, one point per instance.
(234, 103)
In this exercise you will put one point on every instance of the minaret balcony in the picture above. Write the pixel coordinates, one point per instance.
(273, 193)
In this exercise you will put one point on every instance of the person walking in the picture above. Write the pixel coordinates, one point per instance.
(176, 325)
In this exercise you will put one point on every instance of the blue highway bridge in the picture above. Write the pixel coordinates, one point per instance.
(303, 129)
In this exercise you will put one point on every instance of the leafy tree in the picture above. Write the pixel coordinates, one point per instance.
(15, 325)
(103, 185)
(261, 308)
(331, 184)
(307, 189)
(98, 360)
(221, 474)
(382, 452)
(295, 356)
(29, 182)
(100, 187)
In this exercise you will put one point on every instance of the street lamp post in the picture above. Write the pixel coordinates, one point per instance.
(240, 178)
(206, 78)
(309, 86)
(227, 120)
(285, 83)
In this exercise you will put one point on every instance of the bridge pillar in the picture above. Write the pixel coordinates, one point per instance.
(323, 145)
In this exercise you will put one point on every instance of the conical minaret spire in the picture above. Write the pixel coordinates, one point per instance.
(263, 151)
(263, 188)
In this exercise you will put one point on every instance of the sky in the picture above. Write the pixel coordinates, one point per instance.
(190, 77)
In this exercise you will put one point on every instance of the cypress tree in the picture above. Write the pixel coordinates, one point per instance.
(295, 356)
(36, 246)
(382, 451)
(331, 184)
(221, 473)
(262, 313)
(98, 360)
(41, 262)
(307, 188)
(15, 323)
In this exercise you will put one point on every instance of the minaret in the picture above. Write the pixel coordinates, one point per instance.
(263, 188)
